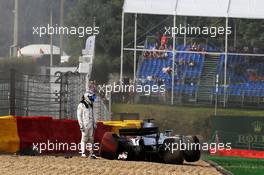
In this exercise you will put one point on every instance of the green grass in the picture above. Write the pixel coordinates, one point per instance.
(240, 166)
(183, 120)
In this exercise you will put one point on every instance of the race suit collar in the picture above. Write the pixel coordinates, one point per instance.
(86, 105)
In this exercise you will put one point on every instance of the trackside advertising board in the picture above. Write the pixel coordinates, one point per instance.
(242, 132)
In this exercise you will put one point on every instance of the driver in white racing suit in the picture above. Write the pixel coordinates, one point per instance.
(87, 122)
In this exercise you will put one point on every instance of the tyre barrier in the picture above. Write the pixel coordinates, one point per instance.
(66, 131)
(19, 133)
(9, 139)
(33, 130)
(100, 130)
(109, 146)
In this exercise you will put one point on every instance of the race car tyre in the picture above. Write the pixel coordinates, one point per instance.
(171, 152)
(192, 151)
(109, 146)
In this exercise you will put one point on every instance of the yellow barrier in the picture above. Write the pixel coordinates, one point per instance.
(9, 139)
(116, 125)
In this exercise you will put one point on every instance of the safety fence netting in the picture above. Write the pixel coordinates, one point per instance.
(41, 95)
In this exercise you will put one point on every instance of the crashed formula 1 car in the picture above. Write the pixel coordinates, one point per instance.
(148, 144)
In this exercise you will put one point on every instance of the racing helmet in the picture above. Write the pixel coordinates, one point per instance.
(89, 97)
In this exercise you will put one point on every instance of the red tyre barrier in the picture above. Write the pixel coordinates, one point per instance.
(56, 136)
(66, 134)
(100, 130)
(109, 146)
(33, 130)
(72, 131)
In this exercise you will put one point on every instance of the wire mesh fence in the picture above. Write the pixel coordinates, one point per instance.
(44, 95)
(4, 93)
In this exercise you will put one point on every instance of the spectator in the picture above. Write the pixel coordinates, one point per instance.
(246, 49)
(252, 76)
(167, 70)
(191, 63)
(149, 78)
(165, 54)
(164, 40)
(160, 82)
(181, 61)
(146, 54)
(194, 47)
(92, 86)
(153, 53)
(200, 49)
(161, 54)
(158, 38)
(255, 50)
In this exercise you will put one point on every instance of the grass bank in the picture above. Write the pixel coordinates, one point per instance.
(240, 166)
(183, 120)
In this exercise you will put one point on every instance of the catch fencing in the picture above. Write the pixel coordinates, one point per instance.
(44, 95)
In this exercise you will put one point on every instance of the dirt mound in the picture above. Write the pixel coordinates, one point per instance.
(76, 165)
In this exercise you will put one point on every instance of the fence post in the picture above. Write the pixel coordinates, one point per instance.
(27, 96)
(63, 93)
(61, 96)
(12, 96)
